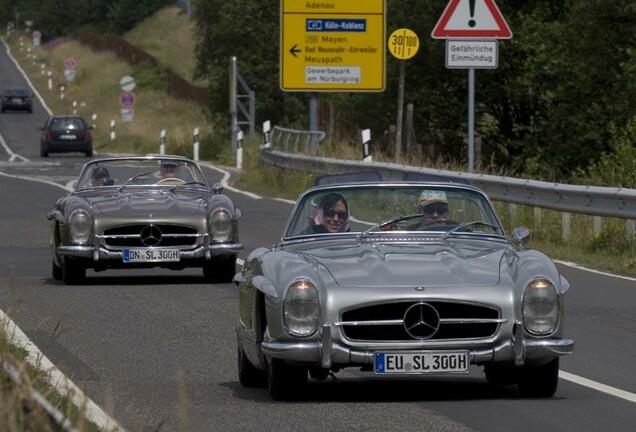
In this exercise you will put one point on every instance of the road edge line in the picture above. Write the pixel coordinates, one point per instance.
(580, 267)
(594, 385)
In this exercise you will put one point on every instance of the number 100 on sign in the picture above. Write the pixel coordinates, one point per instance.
(404, 44)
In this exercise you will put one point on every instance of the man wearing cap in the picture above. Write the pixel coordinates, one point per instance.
(168, 169)
(433, 205)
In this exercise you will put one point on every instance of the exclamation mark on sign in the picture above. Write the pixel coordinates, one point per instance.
(471, 4)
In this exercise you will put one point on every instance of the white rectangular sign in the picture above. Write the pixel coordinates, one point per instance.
(471, 54)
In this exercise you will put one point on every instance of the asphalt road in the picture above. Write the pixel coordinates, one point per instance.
(157, 351)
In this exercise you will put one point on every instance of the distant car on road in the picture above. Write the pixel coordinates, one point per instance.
(66, 134)
(17, 99)
(140, 212)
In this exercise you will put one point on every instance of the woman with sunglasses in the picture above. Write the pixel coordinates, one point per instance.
(332, 215)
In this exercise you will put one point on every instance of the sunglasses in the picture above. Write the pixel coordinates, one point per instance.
(332, 213)
(439, 208)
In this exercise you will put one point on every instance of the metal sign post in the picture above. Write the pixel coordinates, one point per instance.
(471, 120)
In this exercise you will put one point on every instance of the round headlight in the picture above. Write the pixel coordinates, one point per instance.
(540, 307)
(301, 309)
(80, 227)
(221, 225)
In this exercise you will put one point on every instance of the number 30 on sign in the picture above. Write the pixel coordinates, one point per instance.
(403, 44)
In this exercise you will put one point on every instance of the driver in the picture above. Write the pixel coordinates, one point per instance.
(168, 169)
(433, 205)
(101, 177)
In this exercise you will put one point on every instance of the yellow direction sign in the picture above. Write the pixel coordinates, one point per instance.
(404, 44)
(332, 45)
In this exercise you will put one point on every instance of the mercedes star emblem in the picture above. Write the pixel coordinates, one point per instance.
(150, 235)
(421, 321)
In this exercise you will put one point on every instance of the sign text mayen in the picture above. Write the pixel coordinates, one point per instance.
(332, 45)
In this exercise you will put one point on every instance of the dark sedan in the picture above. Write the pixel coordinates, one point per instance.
(66, 134)
(18, 99)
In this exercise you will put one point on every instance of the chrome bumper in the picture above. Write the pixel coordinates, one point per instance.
(327, 352)
(100, 253)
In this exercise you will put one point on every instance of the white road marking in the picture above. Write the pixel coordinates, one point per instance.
(580, 267)
(283, 200)
(70, 185)
(35, 91)
(12, 155)
(33, 179)
(56, 378)
(226, 177)
(603, 388)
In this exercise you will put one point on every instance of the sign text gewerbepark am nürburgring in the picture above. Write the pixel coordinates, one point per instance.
(332, 45)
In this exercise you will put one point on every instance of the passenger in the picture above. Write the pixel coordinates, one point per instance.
(433, 205)
(101, 177)
(332, 215)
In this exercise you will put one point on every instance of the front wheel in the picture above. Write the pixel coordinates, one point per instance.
(284, 382)
(539, 381)
(44, 150)
(73, 272)
(89, 152)
(220, 269)
(249, 376)
(56, 270)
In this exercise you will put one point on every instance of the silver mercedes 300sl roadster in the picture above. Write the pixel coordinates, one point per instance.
(134, 212)
(399, 279)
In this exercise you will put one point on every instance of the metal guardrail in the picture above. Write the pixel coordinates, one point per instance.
(589, 200)
(293, 140)
(54, 414)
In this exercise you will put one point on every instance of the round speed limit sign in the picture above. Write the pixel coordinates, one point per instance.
(403, 44)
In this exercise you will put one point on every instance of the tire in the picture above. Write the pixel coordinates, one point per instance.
(44, 150)
(220, 269)
(248, 375)
(30, 110)
(539, 381)
(501, 374)
(284, 382)
(73, 272)
(89, 152)
(56, 271)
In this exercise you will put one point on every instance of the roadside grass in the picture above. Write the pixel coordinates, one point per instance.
(18, 412)
(96, 91)
(174, 25)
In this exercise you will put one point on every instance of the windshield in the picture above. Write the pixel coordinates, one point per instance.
(372, 209)
(67, 123)
(141, 172)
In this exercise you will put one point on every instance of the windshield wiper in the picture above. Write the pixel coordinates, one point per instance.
(391, 222)
(135, 177)
(194, 182)
(466, 225)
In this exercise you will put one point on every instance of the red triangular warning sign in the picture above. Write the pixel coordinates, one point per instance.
(471, 19)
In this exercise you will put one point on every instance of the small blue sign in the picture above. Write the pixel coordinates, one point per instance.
(126, 255)
(336, 25)
(379, 362)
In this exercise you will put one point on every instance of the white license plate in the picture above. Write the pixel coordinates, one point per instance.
(17, 100)
(68, 137)
(420, 362)
(150, 255)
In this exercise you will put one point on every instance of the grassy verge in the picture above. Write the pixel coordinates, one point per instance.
(96, 91)
(18, 412)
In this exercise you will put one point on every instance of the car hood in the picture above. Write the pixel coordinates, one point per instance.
(428, 264)
(155, 203)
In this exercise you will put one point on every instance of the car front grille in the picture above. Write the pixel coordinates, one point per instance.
(385, 322)
(133, 236)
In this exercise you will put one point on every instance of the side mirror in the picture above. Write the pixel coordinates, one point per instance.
(238, 213)
(520, 237)
(217, 188)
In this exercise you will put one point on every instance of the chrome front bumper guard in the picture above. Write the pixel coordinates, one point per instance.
(100, 253)
(328, 352)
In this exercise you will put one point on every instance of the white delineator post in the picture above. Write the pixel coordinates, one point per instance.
(196, 144)
(74, 107)
(365, 138)
(267, 127)
(112, 130)
(239, 149)
(50, 80)
(94, 119)
(61, 92)
(162, 144)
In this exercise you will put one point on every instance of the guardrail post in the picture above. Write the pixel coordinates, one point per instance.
(630, 228)
(113, 135)
(239, 149)
(597, 224)
(162, 145)
(195, 150)
(537, 217)
(267, 127)
(365, 138)
(512, 213)
(566, 225)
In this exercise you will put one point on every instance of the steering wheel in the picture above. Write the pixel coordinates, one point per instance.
(170, 180)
